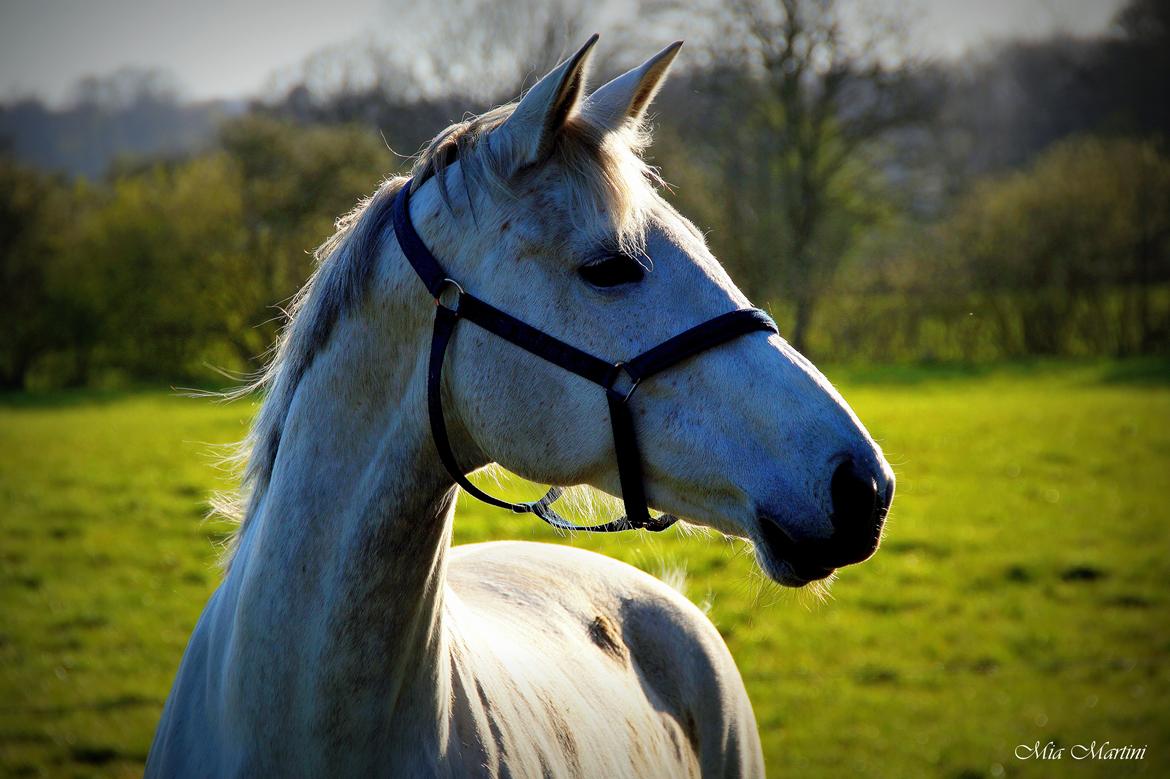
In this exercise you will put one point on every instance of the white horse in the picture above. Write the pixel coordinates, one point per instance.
(349, 639)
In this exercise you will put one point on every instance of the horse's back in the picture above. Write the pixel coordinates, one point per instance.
(652, 680)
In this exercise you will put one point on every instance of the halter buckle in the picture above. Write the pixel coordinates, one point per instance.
(444, 285)
(618, 367)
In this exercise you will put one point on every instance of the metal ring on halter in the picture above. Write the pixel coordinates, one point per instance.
(618, 367)
(459, 293)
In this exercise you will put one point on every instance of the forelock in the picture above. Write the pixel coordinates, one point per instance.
(606, 183)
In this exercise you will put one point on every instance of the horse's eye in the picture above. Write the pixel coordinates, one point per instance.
(612, 271)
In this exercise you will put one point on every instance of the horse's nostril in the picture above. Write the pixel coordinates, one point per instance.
(855, 499)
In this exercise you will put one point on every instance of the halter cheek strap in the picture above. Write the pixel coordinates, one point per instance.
(605, 374)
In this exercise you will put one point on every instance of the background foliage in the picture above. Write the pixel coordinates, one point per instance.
(886, 209)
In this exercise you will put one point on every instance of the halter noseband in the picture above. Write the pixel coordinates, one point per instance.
(667, 354)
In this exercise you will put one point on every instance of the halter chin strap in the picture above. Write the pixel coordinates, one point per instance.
(605, 374)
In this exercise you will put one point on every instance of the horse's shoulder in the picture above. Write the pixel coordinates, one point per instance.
(622, 609)
(674, 651)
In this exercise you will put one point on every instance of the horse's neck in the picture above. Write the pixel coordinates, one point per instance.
(339, 577)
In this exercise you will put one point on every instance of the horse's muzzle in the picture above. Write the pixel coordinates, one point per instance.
(861, 499)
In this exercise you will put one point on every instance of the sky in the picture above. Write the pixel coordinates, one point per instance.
(235, 48)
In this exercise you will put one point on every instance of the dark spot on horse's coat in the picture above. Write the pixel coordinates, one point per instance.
(692, 730)
(504, 227)
(563, 731)
(637, 744)
(675, 728)
(606, 635)
(491, 717)
(568, 744)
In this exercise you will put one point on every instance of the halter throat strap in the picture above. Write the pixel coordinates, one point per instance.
(603, 373)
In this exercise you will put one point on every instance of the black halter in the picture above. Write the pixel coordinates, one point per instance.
(605, 374)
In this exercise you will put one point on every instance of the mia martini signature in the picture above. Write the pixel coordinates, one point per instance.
(1103, 750)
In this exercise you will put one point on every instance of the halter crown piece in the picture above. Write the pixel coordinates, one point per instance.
(603, 373)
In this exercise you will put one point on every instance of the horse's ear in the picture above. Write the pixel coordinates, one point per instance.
(526, 136)
(625, 99)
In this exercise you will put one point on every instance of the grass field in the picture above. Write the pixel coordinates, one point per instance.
(1020, 595)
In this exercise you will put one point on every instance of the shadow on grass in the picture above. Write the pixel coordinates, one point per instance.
(1148, 371)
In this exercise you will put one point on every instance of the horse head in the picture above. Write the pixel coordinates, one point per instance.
(547, 210)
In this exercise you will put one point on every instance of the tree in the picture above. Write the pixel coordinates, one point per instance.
(294, 182)
(167, 268)
(804, 103)
(31, 213)
(1073, 249)
(461, 55)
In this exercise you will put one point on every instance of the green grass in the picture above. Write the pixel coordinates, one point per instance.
(1020, 595)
